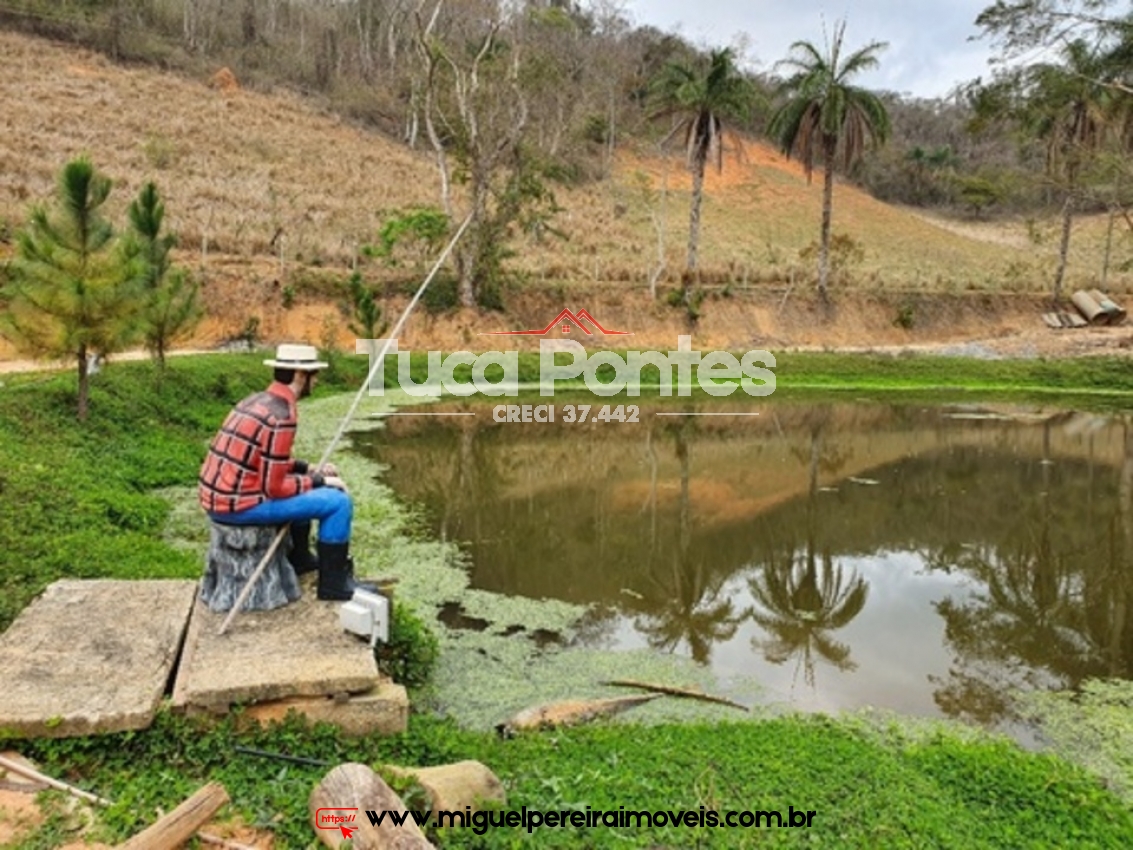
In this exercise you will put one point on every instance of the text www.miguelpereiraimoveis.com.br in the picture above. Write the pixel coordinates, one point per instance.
(620, 818)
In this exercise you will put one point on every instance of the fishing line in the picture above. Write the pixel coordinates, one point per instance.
(377, 365)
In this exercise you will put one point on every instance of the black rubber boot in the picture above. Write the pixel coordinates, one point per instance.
(336, 573)
(300, 556)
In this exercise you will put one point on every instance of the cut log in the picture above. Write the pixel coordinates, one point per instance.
(1090, 309)
(669, 690)
(456, 787)
(351, 789)
(179, 825)
(1115, 310)
(233, 555)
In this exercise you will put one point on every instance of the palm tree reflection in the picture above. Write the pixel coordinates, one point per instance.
(691, 610)
(802, 602)
(802, 605)
(1043, 619)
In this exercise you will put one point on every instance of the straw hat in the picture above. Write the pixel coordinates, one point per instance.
(304, 358)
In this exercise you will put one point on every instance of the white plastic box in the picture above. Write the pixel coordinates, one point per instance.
(366, 615)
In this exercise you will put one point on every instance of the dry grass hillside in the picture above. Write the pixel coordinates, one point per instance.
(241, 168)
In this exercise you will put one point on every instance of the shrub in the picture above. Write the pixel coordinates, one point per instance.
(411, 654)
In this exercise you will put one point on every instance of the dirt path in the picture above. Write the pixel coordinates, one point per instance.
(8, 367)
(1024, 345)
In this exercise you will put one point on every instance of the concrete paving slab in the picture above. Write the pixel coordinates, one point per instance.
(294, 651)
(91, 656)
(384, 710)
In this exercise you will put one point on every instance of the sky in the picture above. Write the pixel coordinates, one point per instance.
(928, 54)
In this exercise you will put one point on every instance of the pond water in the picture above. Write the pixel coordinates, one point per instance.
(928, 560)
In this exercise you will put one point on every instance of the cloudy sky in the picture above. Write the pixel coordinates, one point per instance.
(928, 52)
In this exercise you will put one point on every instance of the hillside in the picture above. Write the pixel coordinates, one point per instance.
(269, 191)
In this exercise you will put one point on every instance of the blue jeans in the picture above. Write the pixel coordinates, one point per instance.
(332, 508)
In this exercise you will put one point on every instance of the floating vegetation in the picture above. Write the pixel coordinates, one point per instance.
(1092, 727)
(482, 676)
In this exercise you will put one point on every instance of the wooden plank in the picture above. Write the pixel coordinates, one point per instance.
(178, 826)
(89, 657)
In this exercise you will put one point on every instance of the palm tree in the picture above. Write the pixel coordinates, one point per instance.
(1070, 106)
(704, 99)
(823, 114)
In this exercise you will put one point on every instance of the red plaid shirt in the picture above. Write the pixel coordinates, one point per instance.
(249, 460)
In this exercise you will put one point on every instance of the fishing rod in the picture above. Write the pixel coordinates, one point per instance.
(374, 369)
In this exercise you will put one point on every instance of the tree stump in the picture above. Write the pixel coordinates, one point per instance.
(456, 787)
(356, 788)
(233, 555)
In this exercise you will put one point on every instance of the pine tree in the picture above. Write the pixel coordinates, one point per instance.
(69, 296)
(170, 308)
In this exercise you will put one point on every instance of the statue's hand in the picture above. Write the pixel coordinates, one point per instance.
(336, 482)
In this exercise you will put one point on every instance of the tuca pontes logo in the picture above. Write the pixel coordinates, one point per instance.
(565, 321)
(717, 373)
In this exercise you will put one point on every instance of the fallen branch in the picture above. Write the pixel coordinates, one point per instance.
(669, 690)
(23, 770)
(179, 825)
(212, 792)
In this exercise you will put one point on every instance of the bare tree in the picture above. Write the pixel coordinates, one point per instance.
(481, 108)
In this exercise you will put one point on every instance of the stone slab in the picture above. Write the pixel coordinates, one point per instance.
(294, 651)
(89, 657)
(383, 710)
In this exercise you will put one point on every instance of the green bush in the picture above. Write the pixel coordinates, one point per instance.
(440, 296)
(411, 654)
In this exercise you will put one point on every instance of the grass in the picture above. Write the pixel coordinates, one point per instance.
(78, 501)
(1093, 381)
(867, 790)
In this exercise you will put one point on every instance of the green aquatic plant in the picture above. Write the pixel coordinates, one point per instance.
(1092, 727)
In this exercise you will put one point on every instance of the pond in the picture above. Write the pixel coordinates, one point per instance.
(928, 560)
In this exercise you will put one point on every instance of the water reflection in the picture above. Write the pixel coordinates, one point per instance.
(686, 606)
(923, 559)
(799, 605)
